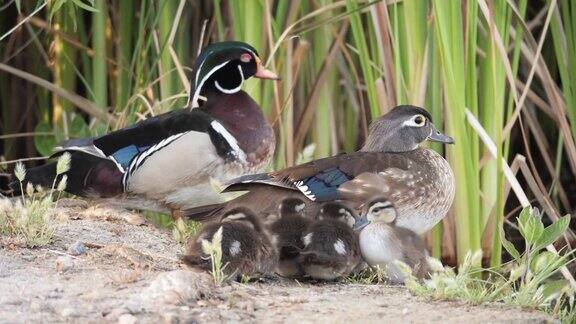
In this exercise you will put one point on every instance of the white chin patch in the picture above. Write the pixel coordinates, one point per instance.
(233, 90)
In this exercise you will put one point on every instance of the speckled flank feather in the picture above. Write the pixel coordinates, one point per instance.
(422, 189)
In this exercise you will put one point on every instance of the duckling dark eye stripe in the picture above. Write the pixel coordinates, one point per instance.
(139, 159)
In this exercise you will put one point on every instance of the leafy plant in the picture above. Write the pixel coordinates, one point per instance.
(182, 230)
(30, 219)
(214, 250)
(368, 276)
(527, 280)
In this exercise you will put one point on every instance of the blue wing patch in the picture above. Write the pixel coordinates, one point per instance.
(322, 186)
(124, 156)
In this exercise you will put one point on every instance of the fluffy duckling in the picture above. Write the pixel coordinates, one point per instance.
(331, 247)
(382, 241)
(246, 249)
(287, 234)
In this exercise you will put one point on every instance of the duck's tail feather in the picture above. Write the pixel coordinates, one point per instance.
(5, 180)
(88, 175)
(42, 175)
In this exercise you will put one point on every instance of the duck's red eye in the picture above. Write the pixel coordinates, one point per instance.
(245, 57)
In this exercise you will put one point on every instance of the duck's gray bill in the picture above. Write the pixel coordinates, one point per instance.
(436, 136)
(360, 223)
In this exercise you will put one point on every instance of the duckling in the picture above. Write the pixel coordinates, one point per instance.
(287, 234)
(382, 241)
(331, 247)
(246, 248)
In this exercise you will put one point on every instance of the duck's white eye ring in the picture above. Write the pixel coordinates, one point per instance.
(416, 121)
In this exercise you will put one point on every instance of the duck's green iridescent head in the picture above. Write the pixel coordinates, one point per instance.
(223, 67)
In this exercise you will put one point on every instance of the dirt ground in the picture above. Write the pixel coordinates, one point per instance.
(130, 274)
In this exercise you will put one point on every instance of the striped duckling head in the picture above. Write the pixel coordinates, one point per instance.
(337, 211)
(376, 210)
(243, 215)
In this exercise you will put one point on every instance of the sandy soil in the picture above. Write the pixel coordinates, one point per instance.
(130, 273)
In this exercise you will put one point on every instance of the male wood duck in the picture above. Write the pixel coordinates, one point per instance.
(166, 161)
(331, 249)
(382, 242)
(246, 248)
(418, 181)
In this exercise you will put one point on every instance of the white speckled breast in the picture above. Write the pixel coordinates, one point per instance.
(428, 191)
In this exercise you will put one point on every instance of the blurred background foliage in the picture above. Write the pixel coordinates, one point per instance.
(73, 68)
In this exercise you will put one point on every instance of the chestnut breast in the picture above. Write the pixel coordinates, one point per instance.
(244, 119)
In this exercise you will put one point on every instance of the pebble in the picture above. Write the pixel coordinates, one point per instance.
(77, 248)
(127, 319)
(178, 287)
(69, 312)
(28, 257)
(64, 263)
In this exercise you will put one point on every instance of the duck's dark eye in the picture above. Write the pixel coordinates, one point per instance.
(419, 120)
(376, 210)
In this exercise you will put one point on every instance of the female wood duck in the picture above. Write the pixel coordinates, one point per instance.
(246, 248)
(287, 233)
(166, 161)
(418, 181)
(331, 248)
(382, 242)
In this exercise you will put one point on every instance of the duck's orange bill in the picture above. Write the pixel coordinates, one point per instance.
(263, 73)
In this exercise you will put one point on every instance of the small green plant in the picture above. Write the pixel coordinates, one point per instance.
(368, 276)
(28, 221)
(527, 280)
(183, 230)
(214, 250)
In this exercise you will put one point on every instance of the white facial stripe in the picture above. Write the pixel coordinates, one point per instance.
(431, 131)
(340, 247)
(236, 216)
(236, 150)
(234, 90)
(199, 86)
